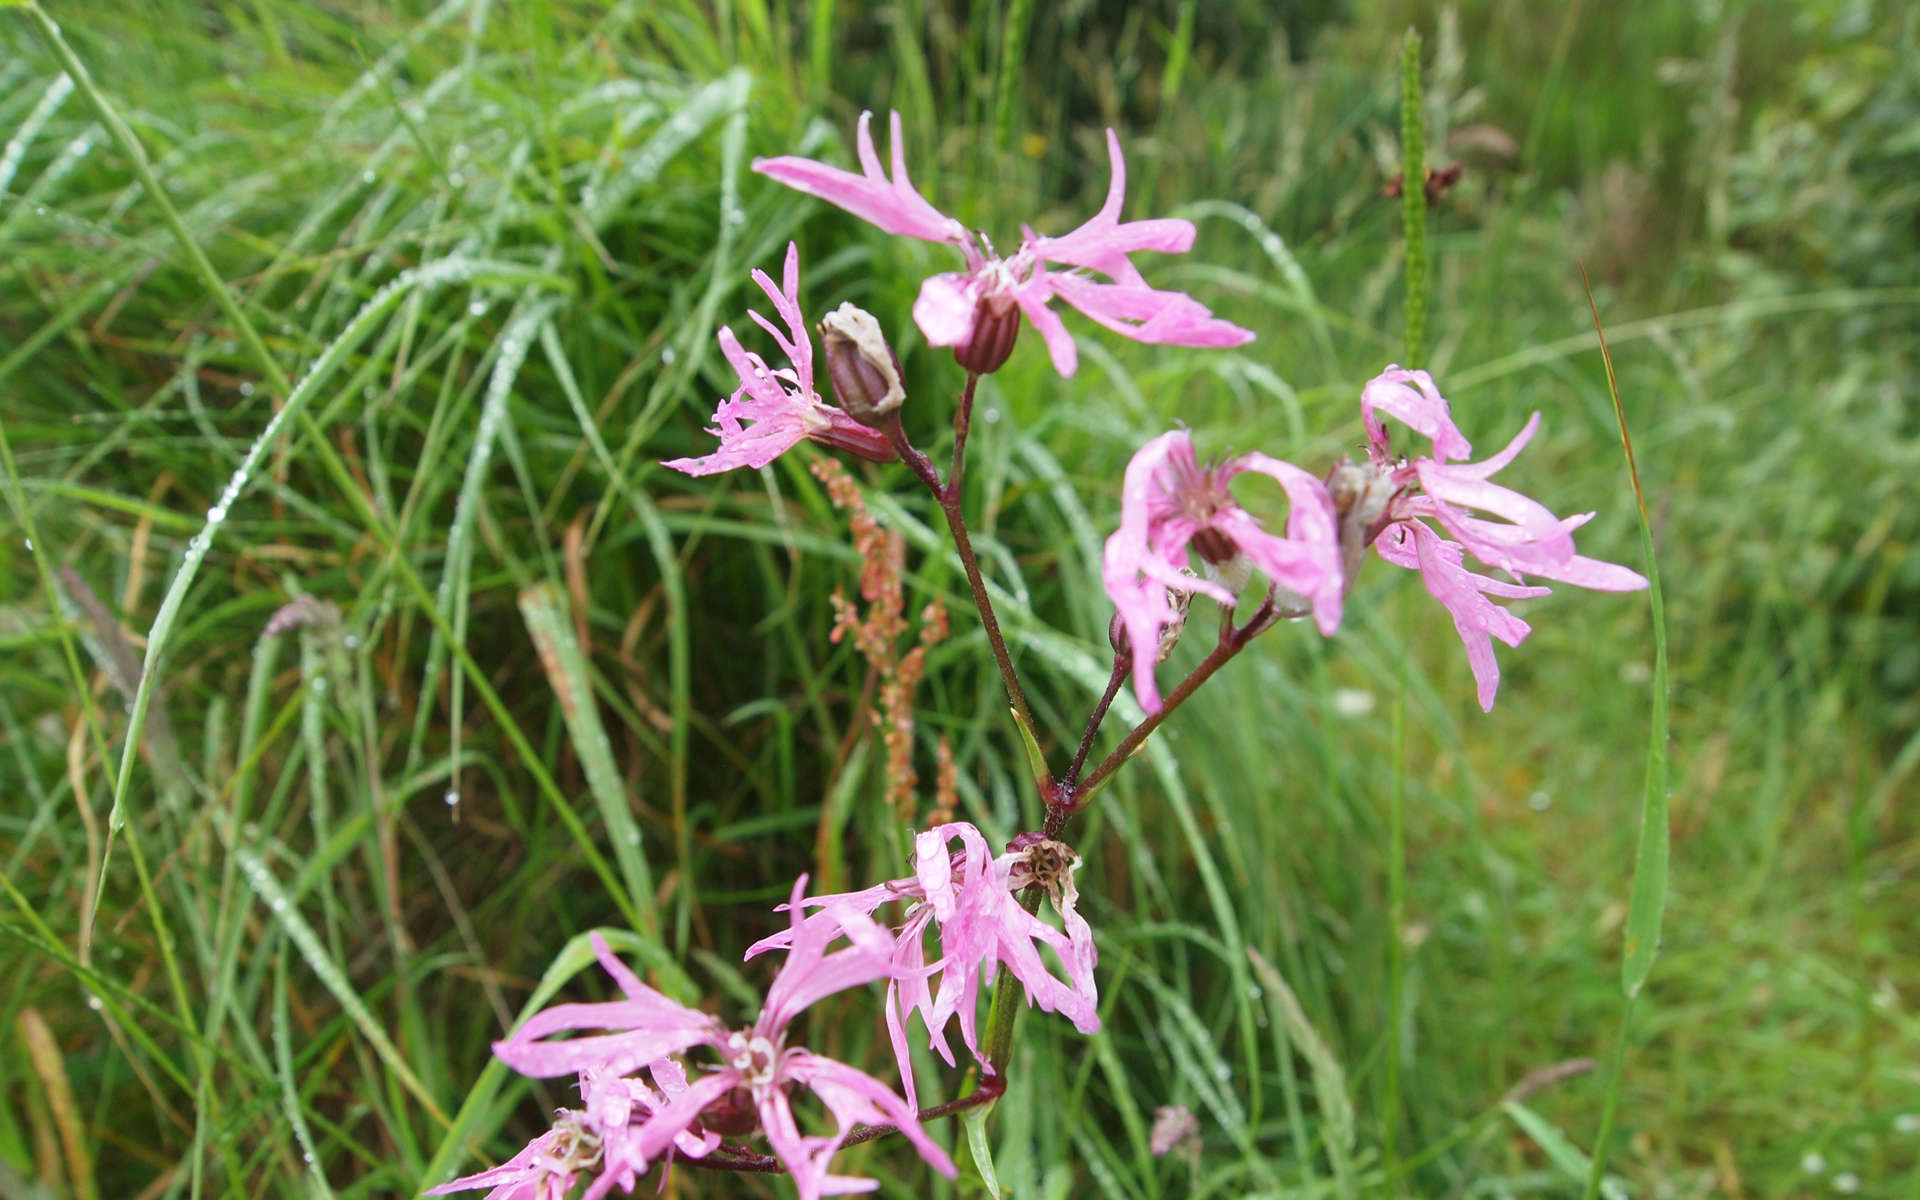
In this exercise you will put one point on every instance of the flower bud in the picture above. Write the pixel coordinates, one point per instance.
(991, 341)
(863, 368)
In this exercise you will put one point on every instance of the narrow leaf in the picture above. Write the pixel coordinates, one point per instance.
(553, 637)
(1559, 1149)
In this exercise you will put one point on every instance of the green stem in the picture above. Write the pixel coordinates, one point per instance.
(1396, 920)
(1413, 195)
(1616, 1066)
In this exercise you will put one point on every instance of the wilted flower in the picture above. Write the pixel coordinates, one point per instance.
(971, 898)
(1378, 501)
(772, 411)
(1174, 1129)
(863, 367)
(977, 310)
(1170, 503)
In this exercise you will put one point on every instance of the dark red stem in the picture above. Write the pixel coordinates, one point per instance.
(1232, 641)
(948, 497)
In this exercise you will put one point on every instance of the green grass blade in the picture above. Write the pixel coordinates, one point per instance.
(332, 976)
(551, 626)
(1646, 907)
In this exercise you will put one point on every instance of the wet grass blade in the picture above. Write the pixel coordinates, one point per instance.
(551, 627)
(1647, 905)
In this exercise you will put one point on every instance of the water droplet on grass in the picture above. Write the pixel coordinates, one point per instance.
(452, 797)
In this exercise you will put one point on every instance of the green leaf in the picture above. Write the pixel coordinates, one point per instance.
(551, 627)
(1329, 1080)
(1036, 761)
(976, 1122)
(1560, 1151)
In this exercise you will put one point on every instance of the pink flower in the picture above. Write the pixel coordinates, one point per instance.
(782, 406)
(758, 1069)
(971, 309)
(545, 1169)
(1169, 503)
(971, 898)
(601, 1136)
(1380, 501)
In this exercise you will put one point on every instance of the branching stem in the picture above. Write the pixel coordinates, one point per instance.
(1233, 639)
(948, 497)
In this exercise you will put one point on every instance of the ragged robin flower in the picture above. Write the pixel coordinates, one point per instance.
(1395, 503)
(773, 411)
(977, 311)
(1170, 504)
(758, 1068)
(970, 898)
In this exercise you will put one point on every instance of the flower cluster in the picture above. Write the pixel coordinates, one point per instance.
(639, 1107)
(660, 1082)
(1171, 504)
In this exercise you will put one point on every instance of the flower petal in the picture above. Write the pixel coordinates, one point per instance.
(1411, 397)
(891, 204)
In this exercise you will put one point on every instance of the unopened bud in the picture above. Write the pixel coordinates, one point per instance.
(992, 340)
(863, 368)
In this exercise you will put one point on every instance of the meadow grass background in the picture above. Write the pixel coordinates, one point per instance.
(494, 241)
